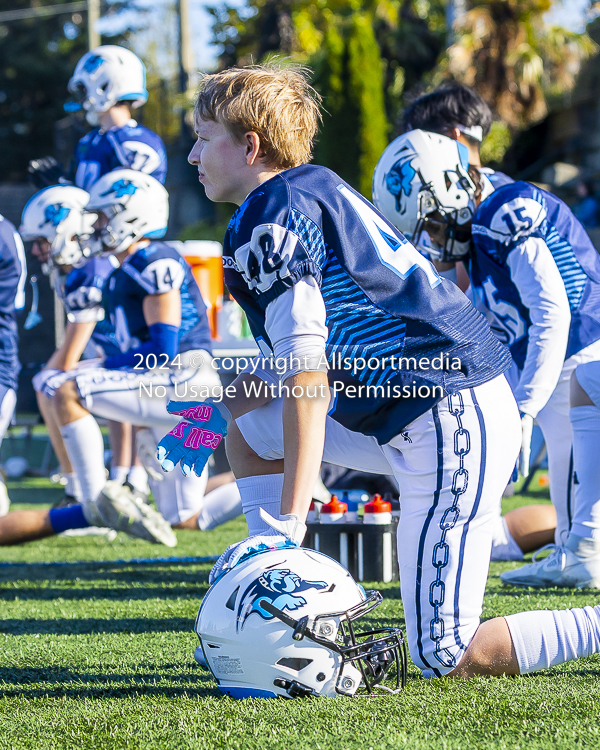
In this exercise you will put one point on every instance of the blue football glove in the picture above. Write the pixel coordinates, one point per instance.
(194, 439)
(284, 533)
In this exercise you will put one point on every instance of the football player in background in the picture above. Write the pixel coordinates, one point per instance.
(154, 306)
(319, 272)
(461, 114)
(13, 274)
(108, 83)
(535, 273)
(52, 219)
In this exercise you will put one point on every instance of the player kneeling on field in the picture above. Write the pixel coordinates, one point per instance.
(319, 272)
(159, 318)
(536, 276)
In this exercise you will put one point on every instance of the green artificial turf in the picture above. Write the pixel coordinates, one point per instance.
(100, 657)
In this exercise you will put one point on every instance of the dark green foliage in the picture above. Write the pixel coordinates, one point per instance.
(36, 62)
(37, 58)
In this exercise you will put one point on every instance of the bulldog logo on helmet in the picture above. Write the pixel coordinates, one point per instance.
(280, 587)
(121, 188)
(92, 63)
(399, 179)
(55, 214)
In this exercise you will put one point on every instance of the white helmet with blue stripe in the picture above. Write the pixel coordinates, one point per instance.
(423, 187)
(281, 623)
(135, 204)
(58, 215)
(107, 75)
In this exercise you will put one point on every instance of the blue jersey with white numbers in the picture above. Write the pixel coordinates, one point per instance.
(130, 147)
(504, 221)
(154, 269)
(81, 296)
(382, 298)
(13, 274)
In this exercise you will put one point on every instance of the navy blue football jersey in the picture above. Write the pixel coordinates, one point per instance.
(131, 147)
(498, 179)
(383, 299)
(81, 295)
(510, 216)
(13, 274)
(155, 269)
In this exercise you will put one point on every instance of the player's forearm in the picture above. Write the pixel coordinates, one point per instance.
(543, 364)
(249, 392)
(303, 439)
(68, 355)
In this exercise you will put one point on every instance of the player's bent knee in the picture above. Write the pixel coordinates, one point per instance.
(66, 393)
(243, 459)
(490, 652)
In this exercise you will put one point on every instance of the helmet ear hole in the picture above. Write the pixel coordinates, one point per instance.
(230, 603)
(297, 664)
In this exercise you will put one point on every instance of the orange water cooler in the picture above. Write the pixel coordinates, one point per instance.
(206, 259)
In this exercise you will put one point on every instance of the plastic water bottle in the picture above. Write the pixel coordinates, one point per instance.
(378, 512)
(334, 511)
(352, 512)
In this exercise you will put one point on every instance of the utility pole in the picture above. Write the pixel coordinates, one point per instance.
(455, 14)
(186, 60)
(93, 9)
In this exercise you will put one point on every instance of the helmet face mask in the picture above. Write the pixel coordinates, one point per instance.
(131, 205)
(372, 652)
(266, 631)
(443, 235)
(57, 215)
(423, 187)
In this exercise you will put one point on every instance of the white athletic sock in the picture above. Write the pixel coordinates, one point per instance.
(263, 491)
(73, 488)
(84, 444)
(586, 444)
(545, 638)
(119, 473)
(138, 479)
(220, 505)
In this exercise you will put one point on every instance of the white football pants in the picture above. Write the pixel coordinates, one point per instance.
(141, 397)
(555, 424)
(451, 464)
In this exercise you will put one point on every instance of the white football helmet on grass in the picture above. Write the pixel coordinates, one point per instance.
(58, 214)
(423, 187)
(135, 204)
(282, 623)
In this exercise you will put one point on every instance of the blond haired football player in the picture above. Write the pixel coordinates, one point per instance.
(320, 273)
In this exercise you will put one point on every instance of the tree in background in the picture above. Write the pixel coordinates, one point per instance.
(363, 53)
(519, 64)
(37, 58)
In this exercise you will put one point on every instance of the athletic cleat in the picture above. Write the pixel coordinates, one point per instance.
(562, 567)
(92, 514)
(123, 511)
(143, 496)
